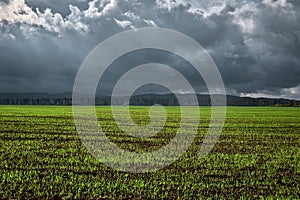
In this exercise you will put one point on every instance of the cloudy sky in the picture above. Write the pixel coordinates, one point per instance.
(255, 44)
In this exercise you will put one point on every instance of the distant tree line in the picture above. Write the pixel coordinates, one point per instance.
(165, 100)
(58, 101)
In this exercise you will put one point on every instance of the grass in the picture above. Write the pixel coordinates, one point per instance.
(257, 156)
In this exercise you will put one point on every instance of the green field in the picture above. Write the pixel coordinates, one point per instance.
(257, 155)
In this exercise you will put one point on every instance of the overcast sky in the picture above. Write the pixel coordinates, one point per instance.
(255, 44)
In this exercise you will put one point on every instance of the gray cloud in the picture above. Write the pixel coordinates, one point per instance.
(57, 6)
(5, 1)
(254, 43)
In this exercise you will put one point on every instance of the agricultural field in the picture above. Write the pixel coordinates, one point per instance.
(257, 155)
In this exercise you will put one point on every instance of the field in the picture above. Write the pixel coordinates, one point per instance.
(257, 155)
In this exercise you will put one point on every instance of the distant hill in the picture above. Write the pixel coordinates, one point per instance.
(142, 99)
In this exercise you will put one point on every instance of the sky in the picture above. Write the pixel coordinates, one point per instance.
(255, 44)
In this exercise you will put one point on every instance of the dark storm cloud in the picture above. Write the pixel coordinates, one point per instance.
(275, 46)
(255, 44)
(139, 57)
(294, 2)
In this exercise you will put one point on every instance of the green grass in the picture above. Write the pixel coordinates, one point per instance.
(257, 155)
